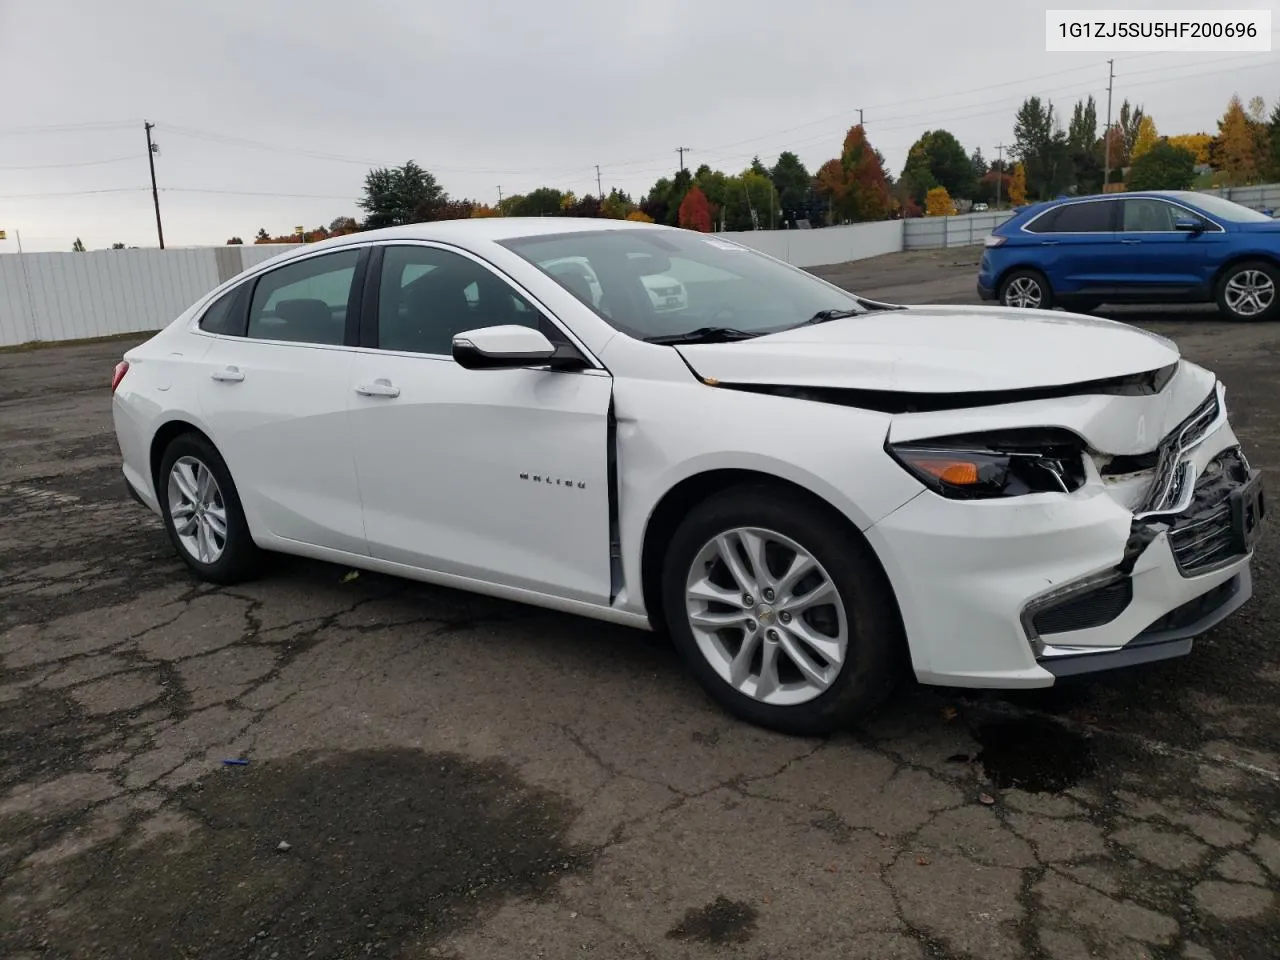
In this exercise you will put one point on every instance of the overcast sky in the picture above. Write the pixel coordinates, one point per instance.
(278, 97)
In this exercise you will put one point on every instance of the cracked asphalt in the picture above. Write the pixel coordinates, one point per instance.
(418, 772)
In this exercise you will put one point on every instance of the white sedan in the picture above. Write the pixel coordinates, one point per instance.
(805, 488)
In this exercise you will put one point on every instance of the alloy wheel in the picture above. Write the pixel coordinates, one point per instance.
(766, 616)
(1024, 292)
(1249, 293)
(197, 510)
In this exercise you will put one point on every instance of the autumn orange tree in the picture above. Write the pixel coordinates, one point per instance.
(695, 211)
(1196, 144)
(1145, 139)
(1234, 149)
(938, 203)
(855, 184)
(1018, 186)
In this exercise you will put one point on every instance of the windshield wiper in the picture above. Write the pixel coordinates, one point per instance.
(703, 335)
(822, 316)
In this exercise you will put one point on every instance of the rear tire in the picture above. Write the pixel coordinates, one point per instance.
(1250, 291)
(202, 512)
(793, 659)
(1026, 289)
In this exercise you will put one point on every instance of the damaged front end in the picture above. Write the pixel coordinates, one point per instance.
(1208, 511)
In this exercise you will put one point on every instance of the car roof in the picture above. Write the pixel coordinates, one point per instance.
(468, 232)
(497, 229)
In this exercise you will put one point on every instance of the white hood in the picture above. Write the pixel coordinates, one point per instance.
(938, 350)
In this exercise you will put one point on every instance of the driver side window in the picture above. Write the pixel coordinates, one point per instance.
(427, 296)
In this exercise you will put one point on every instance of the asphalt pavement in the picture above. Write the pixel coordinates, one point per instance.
(321, 764)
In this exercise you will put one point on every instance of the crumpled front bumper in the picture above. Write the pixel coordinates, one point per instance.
(1020, 592)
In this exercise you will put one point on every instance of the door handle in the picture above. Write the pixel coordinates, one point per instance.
(381, 387)
(1048, 243)
(1130, 241)
(228, 375)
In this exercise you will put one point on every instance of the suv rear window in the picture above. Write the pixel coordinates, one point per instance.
(1093, 216)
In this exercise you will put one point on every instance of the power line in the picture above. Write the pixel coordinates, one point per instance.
(72, 193)
(67, 127)
(257, 193)
(75, 163)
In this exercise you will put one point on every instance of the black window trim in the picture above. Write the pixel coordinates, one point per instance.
(368, 333)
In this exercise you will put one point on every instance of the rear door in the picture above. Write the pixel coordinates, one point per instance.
(1079, 246)
(274, 394)
(500, 476)
(1159, 260)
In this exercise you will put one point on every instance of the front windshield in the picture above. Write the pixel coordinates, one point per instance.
(1224, 209)
(663, 283)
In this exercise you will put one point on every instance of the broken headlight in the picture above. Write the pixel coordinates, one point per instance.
(1008, 463)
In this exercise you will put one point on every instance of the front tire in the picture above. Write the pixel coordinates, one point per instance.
(781, 611)
(1026, 289)
(202, 512)
(1250, 291)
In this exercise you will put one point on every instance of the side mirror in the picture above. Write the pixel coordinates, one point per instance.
(1188, 224)
(502, 348)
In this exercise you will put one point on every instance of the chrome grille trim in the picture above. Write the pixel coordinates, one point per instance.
(1173, 483)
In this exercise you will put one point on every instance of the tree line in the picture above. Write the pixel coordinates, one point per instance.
(939, 177)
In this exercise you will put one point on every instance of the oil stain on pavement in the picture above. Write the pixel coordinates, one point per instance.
(366, 853)
(1034, 754)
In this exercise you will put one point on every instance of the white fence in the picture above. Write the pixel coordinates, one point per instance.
(817, 248)
(932, 233)
(73, 296)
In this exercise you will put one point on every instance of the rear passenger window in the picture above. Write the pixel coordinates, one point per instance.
(305, 301)
(226, 315)
(1091, 217)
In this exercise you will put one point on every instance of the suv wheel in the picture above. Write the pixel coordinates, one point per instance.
(1250, 291)
(781, 612)
(1026, 289)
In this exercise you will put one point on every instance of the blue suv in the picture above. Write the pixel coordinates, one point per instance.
(1158, 247)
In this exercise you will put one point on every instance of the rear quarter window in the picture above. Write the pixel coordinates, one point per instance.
(226, 315)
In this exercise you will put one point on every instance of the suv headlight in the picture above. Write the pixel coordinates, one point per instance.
(1009, 463)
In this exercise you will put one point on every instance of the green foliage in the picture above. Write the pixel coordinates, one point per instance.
(1082, 134)
(1273, 137)
(1163, 167)
(392, 196)
(1042, 149)
(937, 159)
(543, 202)
(616, 205)
(791, 180)
(78, 246)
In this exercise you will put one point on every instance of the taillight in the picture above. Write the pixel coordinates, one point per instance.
(121, 369)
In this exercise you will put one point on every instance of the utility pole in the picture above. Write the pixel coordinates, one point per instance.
(859, 116)
(682, 151)
(152, 150)
(499, 196)
(1106, 140)
(999, 171)
(599, 188)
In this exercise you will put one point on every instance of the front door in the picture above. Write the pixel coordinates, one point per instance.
(1158, 259)
(495, 475)
(274, 395)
